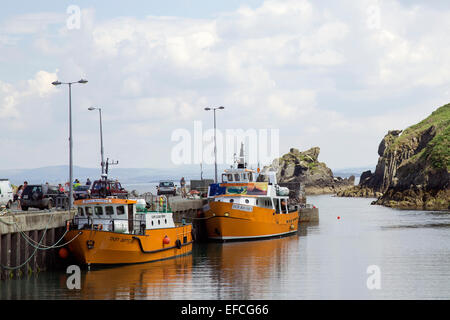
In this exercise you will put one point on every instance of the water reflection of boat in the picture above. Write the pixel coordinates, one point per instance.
(138, 281)
(249, 267)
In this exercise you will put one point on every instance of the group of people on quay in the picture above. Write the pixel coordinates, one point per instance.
(18, 193)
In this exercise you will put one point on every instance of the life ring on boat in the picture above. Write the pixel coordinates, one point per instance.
(178, 243)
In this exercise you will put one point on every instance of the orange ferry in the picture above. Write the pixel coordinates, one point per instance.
(117, 231)
(242, 208)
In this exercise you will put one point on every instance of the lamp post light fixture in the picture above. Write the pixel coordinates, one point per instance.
(57, 83)
(101, 137)
(215, 147)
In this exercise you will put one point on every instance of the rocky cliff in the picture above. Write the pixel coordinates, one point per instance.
(304, 168)
(413, 166)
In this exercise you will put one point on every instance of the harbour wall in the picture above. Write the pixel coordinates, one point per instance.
(20, 233)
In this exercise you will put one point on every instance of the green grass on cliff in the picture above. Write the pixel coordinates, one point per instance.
(437, 151)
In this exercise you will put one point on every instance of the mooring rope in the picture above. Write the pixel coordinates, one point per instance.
(53, 246)
(39, 245)
(205, 218)
(30, 240)
(35, 250)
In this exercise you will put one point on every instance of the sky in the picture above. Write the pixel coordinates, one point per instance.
(337, 75)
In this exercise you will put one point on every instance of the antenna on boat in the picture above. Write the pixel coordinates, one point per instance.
(109, 163)
(241, 162)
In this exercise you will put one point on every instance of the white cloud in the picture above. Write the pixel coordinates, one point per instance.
(31, 23)
(16, 100)
(323, 75)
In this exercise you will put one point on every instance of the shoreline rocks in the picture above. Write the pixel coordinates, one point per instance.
(413, 167)
(304, 168)
(359, 192)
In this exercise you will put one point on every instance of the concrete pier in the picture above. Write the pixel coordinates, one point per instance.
(20, 228)
(308, 214)
(190, 211)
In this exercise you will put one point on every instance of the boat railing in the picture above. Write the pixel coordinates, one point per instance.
(154, 203)
(134, 226)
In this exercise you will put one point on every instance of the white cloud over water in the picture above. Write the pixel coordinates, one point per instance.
(336, 76)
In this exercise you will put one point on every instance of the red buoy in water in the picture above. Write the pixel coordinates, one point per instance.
(63, 253)
(166, 240)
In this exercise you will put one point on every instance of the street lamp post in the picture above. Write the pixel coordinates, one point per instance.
(57, 83)
(101, 137)
(215, 147)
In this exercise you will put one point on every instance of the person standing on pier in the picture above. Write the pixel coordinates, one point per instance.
(88, 182)
(183, 187)
(19, 196)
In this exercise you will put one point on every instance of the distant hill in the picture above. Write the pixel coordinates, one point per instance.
(60, 174)
(347, 172)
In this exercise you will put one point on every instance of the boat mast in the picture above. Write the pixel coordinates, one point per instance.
(241, 162)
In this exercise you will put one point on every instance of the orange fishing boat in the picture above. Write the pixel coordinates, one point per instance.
(242, 208)
(118, 231)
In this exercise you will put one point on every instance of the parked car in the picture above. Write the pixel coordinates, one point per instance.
(102, 188)
(42, 196)
(166, 187)
(6, 193)
(82, 192)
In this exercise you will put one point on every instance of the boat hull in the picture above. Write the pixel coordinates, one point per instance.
(96, 247)
(223, 222)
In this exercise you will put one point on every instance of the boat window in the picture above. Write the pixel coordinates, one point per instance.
(81, 212)
(120, 210)
(244, 176)
(246, 201)
(250, 176)
(88, 211)
(109, 210)
(230, 177)
(224, 177)
(237, 177)
(99, 210)
(231, 200)
(97, 186)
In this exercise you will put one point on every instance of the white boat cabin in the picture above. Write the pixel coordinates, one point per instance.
(120, 215)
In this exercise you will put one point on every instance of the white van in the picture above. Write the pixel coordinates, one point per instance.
(6, 193)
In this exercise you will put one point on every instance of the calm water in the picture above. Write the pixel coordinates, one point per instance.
(324, 261)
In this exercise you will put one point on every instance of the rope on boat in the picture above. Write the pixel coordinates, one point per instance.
(205, 218)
